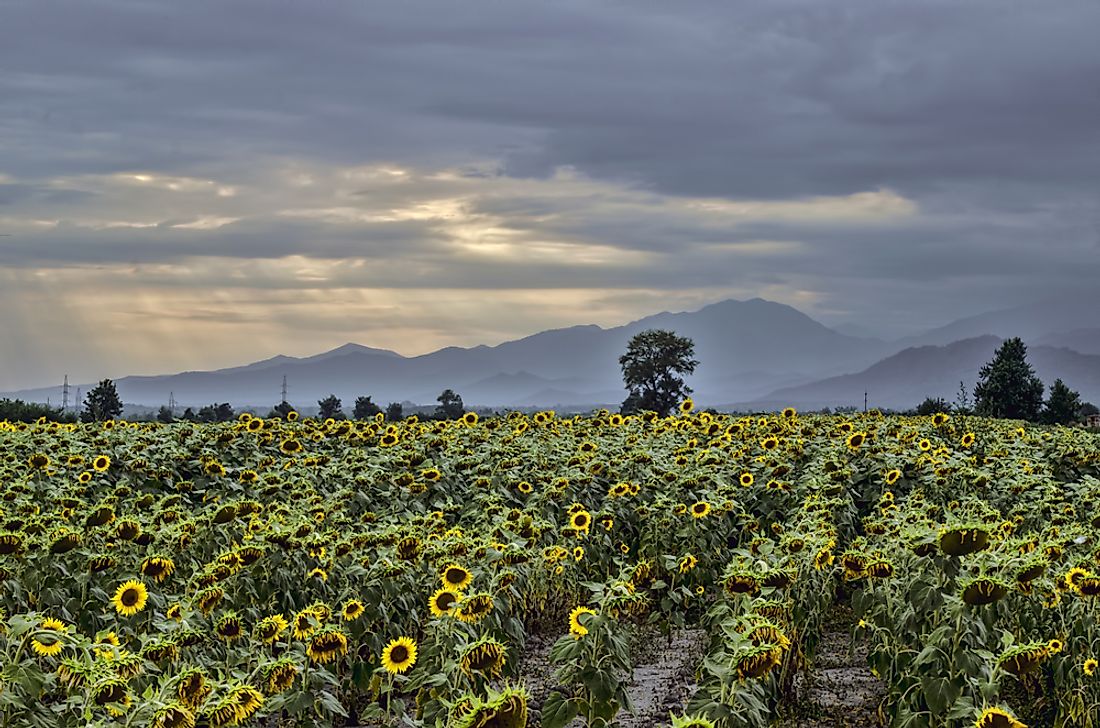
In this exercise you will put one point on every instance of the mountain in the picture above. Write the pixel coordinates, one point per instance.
(1031, 322)
(903, 380)
(744, 348)
(1085, 341)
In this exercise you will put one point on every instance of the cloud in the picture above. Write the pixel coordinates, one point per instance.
(178, 177)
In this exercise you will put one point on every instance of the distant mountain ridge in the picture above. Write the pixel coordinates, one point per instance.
(754, 352)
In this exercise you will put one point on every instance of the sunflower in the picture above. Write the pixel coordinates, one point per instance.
(229, 628)
(1055, 646)
(470, 418)
(290, 446)
(444, 601)
(769, 443)
(924, 445)
(940, 419)
(856, 440)
(399, 655)
(39, 461)
(172, 715)
(758, 660)
(327, 645)
(1073, 577)
(270, 628)
(353, 610)
(746, 479)
(789, 413)
(130, 598)
(686, 563)
(111, 693)
(47, 641)
(892, 476)
(475, 608)
(85, 477)
(967, 439)
(431, 475)
(209, 598)
(455, 577)
(686, 406)
(255, 424)
(997, 718)
(101, 463)
(1089, 667)
(191, 688)
(576, 627)
(388, 440)
(304, 624)
(507, 709)
(524, 487)
(158, 568)
(486, 656)
(580, 521)
(700, 509)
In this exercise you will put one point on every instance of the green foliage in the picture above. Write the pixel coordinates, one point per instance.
(365, 408)
(102, 403)
(165, 416)
(215, 413)
(932, 405)
(653, 368)
(1007, 386)
(281, 410)
(395, 412)
(330, 407)
(450, 405)
(16, 410)
(1063, 406)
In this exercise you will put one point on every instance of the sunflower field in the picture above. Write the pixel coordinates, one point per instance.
(288, 572)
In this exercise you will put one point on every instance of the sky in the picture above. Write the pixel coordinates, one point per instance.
(188, 185)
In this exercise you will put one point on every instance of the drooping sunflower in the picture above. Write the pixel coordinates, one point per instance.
(997, 718)
(280, 675)
(486, 656)
(455, 577)
(686, 563)
(327, 645)
(507, 709)
(130, 598)
(399, 655)
(111, 693)
(576, 626)
(444, 602)
(47, 640)
(475, 608)
(229, 628)
(158, 568)
(173, 715)
(353, 609)
(191, 687)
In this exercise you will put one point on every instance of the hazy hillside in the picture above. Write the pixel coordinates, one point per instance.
(904, 379)
(745, 348)
(1031, 322)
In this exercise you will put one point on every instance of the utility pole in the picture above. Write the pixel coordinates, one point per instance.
(864, 401)
(65, 395)
(172, 402)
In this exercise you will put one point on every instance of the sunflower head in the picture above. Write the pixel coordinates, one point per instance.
(399, 655)
(577, 627)
(444, 602)
(130, 598)
(997, 718)
(455, 577)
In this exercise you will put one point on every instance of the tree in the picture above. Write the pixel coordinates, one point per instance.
(1007, 386)
(450, 405)
(394, 411)
(932, 405)
(330, 407)
(281, 410)
(1088, 409)
(653, 365)
(16, 410)
(1063, 406)
(188, 415)
(102, 403)
(164, 415)
(215, 413)
(365, 409)
(962, 400)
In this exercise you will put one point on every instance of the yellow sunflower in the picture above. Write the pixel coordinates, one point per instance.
(997, 718)
(700, 509)
(353, 610)
(455, 577)
(101, 463)
(444, 601)
(47, 642)
(130, 598)
(399, 655)
(576, 628)
(687, 406)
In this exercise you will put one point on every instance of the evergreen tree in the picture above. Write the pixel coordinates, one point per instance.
(395, 412)
(450, 405)
(330, 407)
(653, 366)
(165, 415)
(102, 403)
(1007, 386)
(1063, 405)
(365, 408)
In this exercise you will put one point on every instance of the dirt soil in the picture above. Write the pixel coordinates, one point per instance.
(838, 690)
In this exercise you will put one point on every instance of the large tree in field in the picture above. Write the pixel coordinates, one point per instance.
(1063, 405)
(1007, 386)
(365, 408)
(653, 368)
(330, 406)
(102, 403)
(450, 405)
